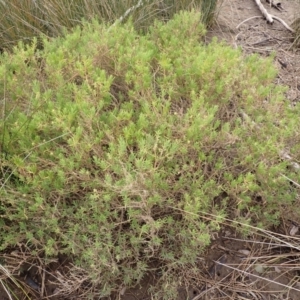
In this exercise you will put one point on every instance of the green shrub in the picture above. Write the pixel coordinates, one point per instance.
(117, 147)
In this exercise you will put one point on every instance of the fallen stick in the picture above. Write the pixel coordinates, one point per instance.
(270, 18)
(284, 24)
(274, 17)
(264, 12)
(237, 27)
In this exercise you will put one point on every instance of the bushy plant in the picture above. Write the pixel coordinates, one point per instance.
(124, 150)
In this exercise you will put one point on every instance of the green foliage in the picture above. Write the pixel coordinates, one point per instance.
(121, 149)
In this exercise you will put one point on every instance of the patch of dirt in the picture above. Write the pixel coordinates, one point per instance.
(235, 26)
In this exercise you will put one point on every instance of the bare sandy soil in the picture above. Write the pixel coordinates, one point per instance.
(257, 36)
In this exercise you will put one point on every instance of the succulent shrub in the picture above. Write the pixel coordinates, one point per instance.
(125, 150)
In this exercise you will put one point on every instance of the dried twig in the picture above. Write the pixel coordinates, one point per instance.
(264, 12)
(237, 27)
(6, 290)
(276, 4)
(270, 18)
(274, 17)
(284, 24)
(256, 276)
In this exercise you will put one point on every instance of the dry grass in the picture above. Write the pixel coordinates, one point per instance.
(296, 27)
(8, 280)
(263, 265)
(22, 20)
